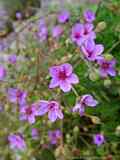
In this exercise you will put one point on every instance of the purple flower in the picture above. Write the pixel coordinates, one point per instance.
(2, 46)
(12, 58)
(35, 133)
(16, 142)
(98, 139)
(42, 33)
(1, 107)
(52, 108)
(89, 16)
(82, 32)
(63, 76)
(57, 31)
(86, 100)
(28, 113)
(107, 67)
(2, 73)
(91, 50)
(16, 95)
(19, 15)
(63, 16)
(54, 136)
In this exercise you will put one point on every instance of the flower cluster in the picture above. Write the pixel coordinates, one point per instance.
(16, 142)
(85, 100)
(62, 76)
(52, 108)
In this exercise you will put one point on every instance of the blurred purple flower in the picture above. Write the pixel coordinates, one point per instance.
(1, 107)
(107, 67)
(2, 73)
(63, 16)
(63, 76)
(89, 16)
(54, 136)
(91, 50)
(16, 95)
(2, 46)
(57, 31)
(82, 32)
(52, 108)
(16, 142)
(98, 139)
(42, 33)
(19, 15)
(86, 100)
(28, 113)
(12, 58)
(35, 133)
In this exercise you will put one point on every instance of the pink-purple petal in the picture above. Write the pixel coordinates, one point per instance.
(67, 68)
(54, 83)
(54, 71)
(99, 48)
(73, 79)
(60, 114)
(112, 72)
(52, 116)
(65, 86)
(90, 101)
(42, 108)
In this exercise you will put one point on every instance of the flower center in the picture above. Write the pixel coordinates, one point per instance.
(51, 106)
(19, 94)
(29, 111)
(77, 35)
(62, 75)
(85, 32)
(105, 65)
(89, 53)
(99, 139)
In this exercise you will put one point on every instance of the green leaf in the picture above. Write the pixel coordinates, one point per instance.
(47, 155)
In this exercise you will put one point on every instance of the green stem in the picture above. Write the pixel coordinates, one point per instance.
(75, 92)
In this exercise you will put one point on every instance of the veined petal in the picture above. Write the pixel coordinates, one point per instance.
(54, 71)
(98, 49)
(60, 114)
(31, 119)
(42, 107)
(112, 72)
(90, 101)
(73, 79)
(52, 115)
(54, 83)
(65, 86)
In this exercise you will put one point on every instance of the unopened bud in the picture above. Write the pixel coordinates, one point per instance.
(107, 82)
(76, 129)
(93, 75)
(68, 138)
(95, 119)
(117, 132)
(100, 26)
(108, 56)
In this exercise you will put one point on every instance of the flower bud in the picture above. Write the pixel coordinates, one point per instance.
(108, 57)
(95, 120)
(76, 129)
(117, 132)
(107, 83)
(68, 138)
(93, 75)
(100, 26)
